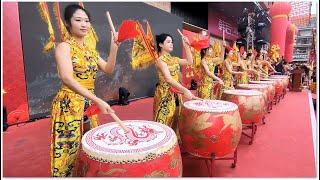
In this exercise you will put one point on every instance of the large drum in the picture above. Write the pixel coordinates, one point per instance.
(150, 149)
(284, 79)
(250, 103)
(278, 86)
(271, 88)
(210, 127)
(259, 87)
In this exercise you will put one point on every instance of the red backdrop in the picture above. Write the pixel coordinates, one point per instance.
(15, 98)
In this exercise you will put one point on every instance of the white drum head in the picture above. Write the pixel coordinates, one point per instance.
(243, 92)
(145, 141)
(253, 86)
(212, 106)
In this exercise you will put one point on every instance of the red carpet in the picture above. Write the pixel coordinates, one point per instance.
(282, 148)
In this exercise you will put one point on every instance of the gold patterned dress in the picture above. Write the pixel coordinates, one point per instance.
(68, 111)
(261, 70)
(266, 68)
(205, 89)
(254, 66)
(227, 76)
(165, 100)
(244, 78)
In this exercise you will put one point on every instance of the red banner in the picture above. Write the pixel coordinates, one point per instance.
(189, 72)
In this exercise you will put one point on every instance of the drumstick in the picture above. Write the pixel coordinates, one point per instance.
(116, 118)
(182, 36)
(180, 32)
(223, 36)
(110, 22)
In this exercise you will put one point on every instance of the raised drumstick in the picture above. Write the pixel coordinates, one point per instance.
(110, 22)
(180, 32)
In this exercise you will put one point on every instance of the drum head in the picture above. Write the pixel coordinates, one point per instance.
(212, 106)
(270, 79)
(243, 92)
(279, 76)
(261, 82)
(253, 86)
(145, 141)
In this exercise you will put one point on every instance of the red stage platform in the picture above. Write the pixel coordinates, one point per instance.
(283, 147)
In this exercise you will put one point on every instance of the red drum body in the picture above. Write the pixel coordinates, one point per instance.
(271, 88)
(263, 88)
(250, 103)
(278, 85)
(150, 149)
(284, 79)
(210, 127)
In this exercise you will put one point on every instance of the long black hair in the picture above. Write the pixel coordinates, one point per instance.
(203, 52)
(160, 39)
(70, 10)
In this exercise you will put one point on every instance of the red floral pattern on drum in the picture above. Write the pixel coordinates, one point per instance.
(251, 108)
(259, 87)
(210, 106)
(278, 85)
(92, 139)
(145, 134)
(204, 134)
(284, 79)
(271, 88)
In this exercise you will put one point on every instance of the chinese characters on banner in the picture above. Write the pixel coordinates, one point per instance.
(227, 27)
(218, 22)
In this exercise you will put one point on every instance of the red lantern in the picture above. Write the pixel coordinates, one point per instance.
(279, 13)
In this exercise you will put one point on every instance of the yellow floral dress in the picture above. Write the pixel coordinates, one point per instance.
(68, 111)
(227, 76)
(205, 89)
(266, 68)
(244, 78)
(261, 70)
(164, 105)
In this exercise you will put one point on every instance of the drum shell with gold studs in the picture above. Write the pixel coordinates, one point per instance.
(250, 103)
(149, 150)
(271, 88)
(259, 87)
(210, 127)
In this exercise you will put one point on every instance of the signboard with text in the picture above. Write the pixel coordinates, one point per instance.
(218, 22)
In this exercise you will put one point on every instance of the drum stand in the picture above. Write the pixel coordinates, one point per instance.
(269, 106)
(263, 119)
(253, 128)
(210, 161)
(276, 99)
(284, 93)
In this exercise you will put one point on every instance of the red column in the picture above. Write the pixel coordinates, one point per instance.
(279, 13)
(290, 35)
